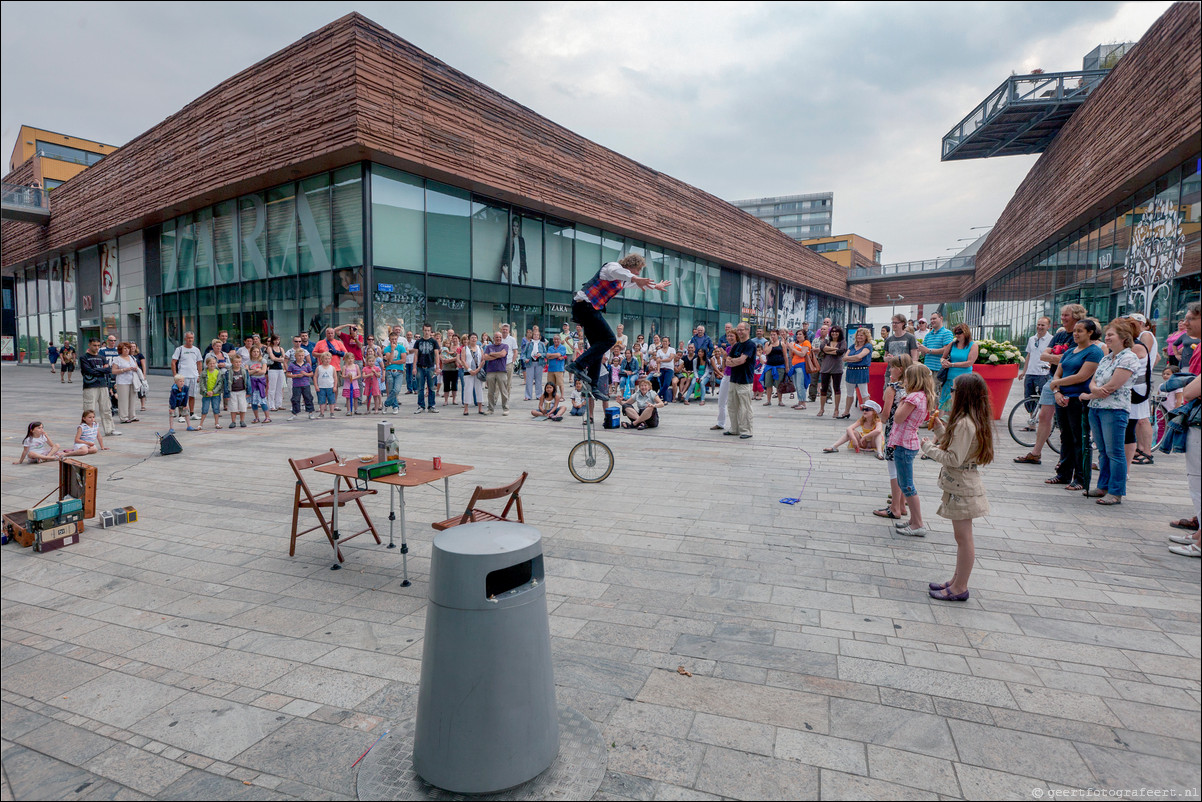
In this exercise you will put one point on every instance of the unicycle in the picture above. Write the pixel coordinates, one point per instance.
(590, 460)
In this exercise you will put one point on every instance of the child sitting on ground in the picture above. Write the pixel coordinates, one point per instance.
(550, 405)
(866, 433)
(178, 404)
(88, 438)
(577, 399)
(37, 445)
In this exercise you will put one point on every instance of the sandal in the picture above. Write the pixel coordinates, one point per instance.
(1095, 493)
(830, 451)
(1109, 500)
(945, 594)
(1055, 480)
(1142, 458)
(939, 585)
(1189, 524)
(885, 512)
(626, 425)
(1029, 459)
(1074, 487)
(465, 412)
(641, 426)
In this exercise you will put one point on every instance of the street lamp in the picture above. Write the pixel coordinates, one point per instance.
(893, 301)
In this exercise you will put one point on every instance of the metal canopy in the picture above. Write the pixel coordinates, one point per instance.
(1021, 116)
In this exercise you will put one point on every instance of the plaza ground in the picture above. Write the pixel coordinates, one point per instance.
(187, 656)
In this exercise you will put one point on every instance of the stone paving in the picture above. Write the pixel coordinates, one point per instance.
(186, 656)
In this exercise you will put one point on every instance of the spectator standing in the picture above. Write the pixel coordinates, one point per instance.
(774, 367)
(666, 356)
(1191, 545)
(1035, 370)
(394, 370)
(894, 394)
(325, 379)
(1139, 426)
(300, 371)
(52, 352)
(918, 386)
(900, 341)
(495, 358)
(351, 385)
(96, 376)
(67, 360)
(1062, 341)
(471, 362)
(964, 444)
(534, 356)
(125, 371)
(857, 358)
(920, 333)
(1073, 373)
(410, 363)
(832, 347)
(276, 362)
(961, 356)
(237, 384)
(212, 385)
(799, 350)
(141, 384)
(186, 362)
(427, 363)
(258, 370)
(450, 369)
(742, 363)
(557, 356)
(1109, 397)
(722, 368)
(510, 360)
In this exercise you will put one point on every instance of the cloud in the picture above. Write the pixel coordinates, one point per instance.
(739, 99)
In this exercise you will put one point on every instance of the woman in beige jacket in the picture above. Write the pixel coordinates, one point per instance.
(965, 443)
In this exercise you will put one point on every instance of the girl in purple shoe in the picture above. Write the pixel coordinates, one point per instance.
(965, 443)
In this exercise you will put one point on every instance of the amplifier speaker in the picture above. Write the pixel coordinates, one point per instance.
(169, 445)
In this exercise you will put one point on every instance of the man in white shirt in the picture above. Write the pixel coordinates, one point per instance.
(1035, 370)
(920, 333)
(512, 342)
(186, 362)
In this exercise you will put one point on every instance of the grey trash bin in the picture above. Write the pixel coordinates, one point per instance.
(486, 716)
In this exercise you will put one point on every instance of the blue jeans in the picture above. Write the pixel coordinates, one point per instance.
(665, 384)
(210, 404)
(1109, 427)
(1033, 385)
(392, 383)
(410, 378)
(302, 393)
(903, 458)
(426, 380)
(325, 395)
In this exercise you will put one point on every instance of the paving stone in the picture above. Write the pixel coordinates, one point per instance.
(136, 768)
(891, 726)
(822, 751)
(671, 760)
(1027, 754)
(837, 785)
(732, 733)
(32, 775)
(1119, 768)
(913, 770)
(64, 742)
(118, 699)
(203, 786)
(215, 728)
(730, 773)
(767, 705)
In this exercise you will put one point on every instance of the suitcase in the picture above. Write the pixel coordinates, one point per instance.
(16, 526)
(78, 480)
(56, 538)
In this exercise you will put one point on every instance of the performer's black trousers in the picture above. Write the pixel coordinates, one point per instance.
(600, 336)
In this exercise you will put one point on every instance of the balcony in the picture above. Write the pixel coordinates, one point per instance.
(1021, 116)
(27, 204)
(901, 270)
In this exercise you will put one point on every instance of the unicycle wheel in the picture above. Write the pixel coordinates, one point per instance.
(591, 461)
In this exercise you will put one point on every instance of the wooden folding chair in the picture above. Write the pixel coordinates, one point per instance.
(473, 515)
(326, 499)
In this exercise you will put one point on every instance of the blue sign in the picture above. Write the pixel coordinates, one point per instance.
(379, 288)
(353, 288)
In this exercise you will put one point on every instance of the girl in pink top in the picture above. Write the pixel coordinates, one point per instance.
(918, 387)
(350, 383)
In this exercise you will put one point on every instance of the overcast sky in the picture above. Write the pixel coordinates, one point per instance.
(740, 99)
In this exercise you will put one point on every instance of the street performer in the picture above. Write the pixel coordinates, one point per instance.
(587, 309)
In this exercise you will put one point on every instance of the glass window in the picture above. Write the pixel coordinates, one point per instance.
(398, 211)
(283, 307)
(701, 288)
(447, 303)
(316, 304)
(347, 204)
(672, 268)
(66, 153)
(254, 310)
(313, 214)
(449, 230)
(281, 231)
(167, 256)
(398, 299)
(560, 238)
(252, 224)
(588, 253)
(225, 246)
(185, 253)
(348, 296)
(495, 255)
(204, 247)
(206, 326)
(611, 247)
(529, 232)
(229, 309)
(490, 308)
(655, 271)
(715, 288)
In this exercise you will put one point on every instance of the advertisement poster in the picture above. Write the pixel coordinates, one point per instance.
(791, 310)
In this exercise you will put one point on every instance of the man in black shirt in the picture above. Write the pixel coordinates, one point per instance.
(96, 377)
(742, 365)
(428, 363)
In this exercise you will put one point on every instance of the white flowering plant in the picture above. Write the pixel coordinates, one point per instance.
(993, 352)
(878, 350)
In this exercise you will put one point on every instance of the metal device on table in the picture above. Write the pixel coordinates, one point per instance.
(590, 460)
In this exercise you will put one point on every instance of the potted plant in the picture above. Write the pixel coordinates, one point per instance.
(998, 362)
(876, 372)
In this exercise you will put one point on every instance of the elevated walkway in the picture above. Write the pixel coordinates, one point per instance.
(27, 204)
(1022, 115)
(950, 266)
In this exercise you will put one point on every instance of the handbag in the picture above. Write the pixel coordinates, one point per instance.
(942, 375)
(787, 386)
(813, 366)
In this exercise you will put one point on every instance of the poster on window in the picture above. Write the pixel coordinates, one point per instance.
(758, 303)
(108, 271)
(1156, 256)
(791, 308)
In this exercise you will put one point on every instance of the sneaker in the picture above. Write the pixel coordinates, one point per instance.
(113, 433)
(1183, 540)
(744, 437)
(181, 419)
(432, 409)
(419, 410)
(504, 412)
(242, 424)
(193, 429)
(293, 417)
(195, 416)
(172, 431)
(1191, 550)
(310, 416)
(912, 531)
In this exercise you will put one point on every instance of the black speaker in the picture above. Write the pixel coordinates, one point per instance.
(169, 445)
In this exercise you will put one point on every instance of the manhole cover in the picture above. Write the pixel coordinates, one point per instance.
(387, 771)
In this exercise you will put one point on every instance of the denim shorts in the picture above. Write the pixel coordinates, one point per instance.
(210, 404)
(1047, 396)
(904, 459)
(325, 395)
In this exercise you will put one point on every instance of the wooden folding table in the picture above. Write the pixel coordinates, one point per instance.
(417, 472)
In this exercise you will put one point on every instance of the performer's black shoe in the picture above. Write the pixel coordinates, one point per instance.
(578, 373)
(597, 392)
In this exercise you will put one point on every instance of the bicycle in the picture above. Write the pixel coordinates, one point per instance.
(1160, 420)
(590, 460)
(1022, 428)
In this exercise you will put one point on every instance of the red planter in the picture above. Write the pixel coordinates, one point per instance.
(999, 379)
(876, 381)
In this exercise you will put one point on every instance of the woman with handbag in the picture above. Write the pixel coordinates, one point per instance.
(799, 353)
(774, 368)
(1109, 397)
(1076, 368)
(832, 347)
(143, 386)
(857, 358)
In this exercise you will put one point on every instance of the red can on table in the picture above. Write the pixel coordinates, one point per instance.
(438, 463)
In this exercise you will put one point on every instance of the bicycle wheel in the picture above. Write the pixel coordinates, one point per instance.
(1160, 427)
(1020, 417)
(591, 461)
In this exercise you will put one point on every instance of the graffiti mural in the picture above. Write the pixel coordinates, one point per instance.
(1156, 255)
